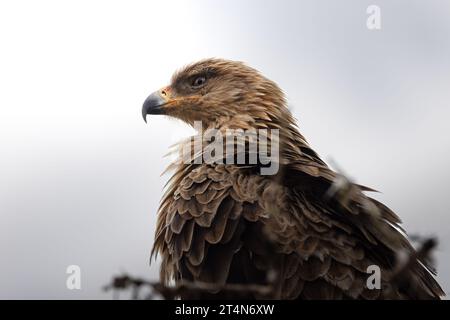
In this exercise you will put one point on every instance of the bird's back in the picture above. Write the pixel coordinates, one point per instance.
(223, 225)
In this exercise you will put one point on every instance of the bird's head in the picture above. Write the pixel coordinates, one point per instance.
(218, 93)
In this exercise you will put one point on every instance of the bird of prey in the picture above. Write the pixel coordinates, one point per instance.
(225, 224)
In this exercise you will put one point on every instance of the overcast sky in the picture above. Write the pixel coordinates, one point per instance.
(80, 171)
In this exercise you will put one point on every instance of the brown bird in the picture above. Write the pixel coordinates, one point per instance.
(306, 232)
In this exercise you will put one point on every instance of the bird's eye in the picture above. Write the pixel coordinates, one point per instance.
(198, 82)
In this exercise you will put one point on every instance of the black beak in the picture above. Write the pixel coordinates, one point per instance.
(153, 105)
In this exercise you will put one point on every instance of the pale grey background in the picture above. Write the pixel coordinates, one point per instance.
(80, 170)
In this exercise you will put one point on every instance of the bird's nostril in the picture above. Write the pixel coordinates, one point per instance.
(163, 92)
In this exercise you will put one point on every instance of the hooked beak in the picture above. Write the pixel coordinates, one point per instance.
(154, 104)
